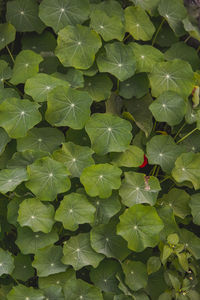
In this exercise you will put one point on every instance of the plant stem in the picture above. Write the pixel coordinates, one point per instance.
(126, 37)
(187, 39)
(14, 87)
(157, 171)
(179, 131)
(157, 32)
(11, 56)
(154, 125)
(166, 178)
(153, 171)
(183, 138)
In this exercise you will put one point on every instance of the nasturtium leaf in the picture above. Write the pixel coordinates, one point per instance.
(104, 240)
(169, 107)
(104, 276)
(68, 107)
(47, 178)
(12, 210)
(60, 13)
(176, 75)
(147, 5)
(44, 42)
(167, 216)
(187, 169)
(26, 66)
(79, 289)
(53, 292)
(138, 23)
(135, 274)
(47, 261)
(192, 29)
(5, 72)
(25, 158)
(191, 242)
(111, 7)
(147, 56)
(40, 85)
(7, 93)
(138, 188)
(73, 77)
(36, 215)
(140, 226)
(108, 133)
(166, 37)
(23, 269)
(153, 264)
(163, 151)
(195, 208)
(4, 140)
(79, 253)
(6, 262)
(59, 279)
(117, 59)
(75, 209)
(173, 12)
(132, 157)
(10, 179)
(136, 86)
(98, 87)
(100, 180)
(7, 34)
(21, 292)
(74, 157)
(45, 139)
(29, 242)
(77, 46)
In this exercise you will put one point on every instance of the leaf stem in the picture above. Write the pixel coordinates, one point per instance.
(126, 37)
(187, 39)
(14, 87)
(153, 170)
(166, 178)
(179, 131)
(157, 32)
(183, 138)
(11, 56)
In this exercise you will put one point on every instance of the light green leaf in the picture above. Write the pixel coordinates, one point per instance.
(135, 274)
(192, 29)
(117, 59)
(153, 264)
(60, 13)
(47, 261)
(186, 169)
(23, 269)
(21, 292)
(6, 262)
(100, 180)
(132, 157)
(75, 209)
(26, 66)
(147, 5)
(39, 86)
(4, 140)
(79, 253)
(10, 179)
(41, 139)
(36, 215)
(138, 188)
(47, 178)
(108, 133)
(136, 86)
(195, 208)
(77, 46)
(191, 242)
(140, 226)
(68, 107)
(138, 23)
(7, 34)
(176, 75)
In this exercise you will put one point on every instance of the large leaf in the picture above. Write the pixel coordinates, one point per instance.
(4, 139)
(47, 178)
(21, 292)
(18, 116)
(6, 262)
(117, 59)
(77, 46)
(195, 208)
(7, 34)
(139, 188)
(108, 133)
(10, 179)
(100, 180)
(68, 107)
(60, 13)
(140, 226)
(135, 274)
(79, 253)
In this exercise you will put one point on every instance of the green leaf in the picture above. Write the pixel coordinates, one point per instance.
(53, 292)
(23, 269)
(136, 86)
(147, 5)
(36, 215)
(163, 151)
(73, 76)
(132, 157)
(79, 253)
(39, 86)
(29, 242)
(7, 93)
(58, 279)
(77, 46)
(45, 139)
(12, 210)
(169, 107)
(135, 274)
(10, 179)
(176, 75)
(68, 107)
(117, 59)
(192, 29)
(191, 242)
(26, 66)
(47, 178)
(195, 208)
(47, 261)
(43, 42)
(104, 240)
(138, 188)
(108, 133)
(23, 14)
(21, 292)
(18, 116)
(74, 289)
(138, 23)
(75, 209)
(25, 158)
(7, 34)
(4, 140)
(100, 180)
(5, 72)
(6, 262)
(58, 14)
(186, 169)
(153, 264)
(140, 226)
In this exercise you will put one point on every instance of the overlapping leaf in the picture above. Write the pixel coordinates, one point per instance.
(7, 34)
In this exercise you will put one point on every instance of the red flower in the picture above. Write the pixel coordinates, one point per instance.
(145, 162)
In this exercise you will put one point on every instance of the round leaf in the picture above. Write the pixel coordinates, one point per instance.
(25, 158)
(10, 179)
(136, 86)
(23, 269)
(135, 274)
(6, 262)
(132, 157)
(7, 34)
(21, 292)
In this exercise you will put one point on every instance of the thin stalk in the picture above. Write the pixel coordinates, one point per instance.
(117, 90)
(126, 37)
(11, 56)
(179, 131)
(183, 138)
(157, 171)
(13, 86)
(153, 171)
(154, 125)
(187, 39)
(166, 178)
(158, 30)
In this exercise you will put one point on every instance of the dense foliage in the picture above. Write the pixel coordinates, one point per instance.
(99, 150)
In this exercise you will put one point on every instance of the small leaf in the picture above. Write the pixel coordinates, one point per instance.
(132, 157)
(191, 242)
(153, 264)
(195, 208)
(10, 179)
(22, 292)
(7, 34)
(6, 262)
